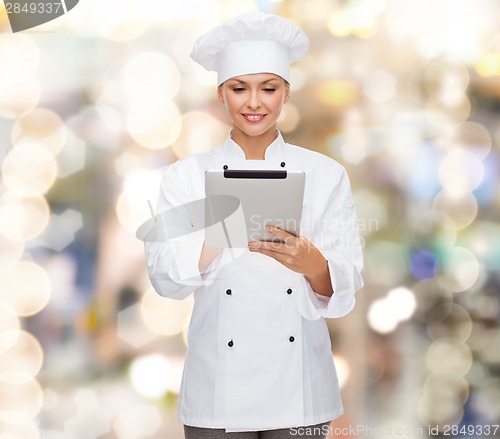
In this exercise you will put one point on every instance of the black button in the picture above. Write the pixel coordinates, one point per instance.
(292, 338)
(282, 164)
(230, 344)
(228, 292)
(289, 291)
(225, 166)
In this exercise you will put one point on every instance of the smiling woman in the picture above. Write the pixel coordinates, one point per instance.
(254, 103)
(259, 358)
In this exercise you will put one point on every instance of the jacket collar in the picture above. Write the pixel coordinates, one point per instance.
(274, 151)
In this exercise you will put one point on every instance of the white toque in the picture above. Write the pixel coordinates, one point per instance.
(251, 43)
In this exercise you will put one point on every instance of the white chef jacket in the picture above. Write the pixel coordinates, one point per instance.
(259, 351)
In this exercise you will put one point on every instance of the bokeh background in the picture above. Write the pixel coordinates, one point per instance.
(404, 93)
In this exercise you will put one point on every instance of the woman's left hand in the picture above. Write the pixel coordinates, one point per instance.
(298, 254)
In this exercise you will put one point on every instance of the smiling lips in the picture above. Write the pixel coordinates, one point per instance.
(253, 117)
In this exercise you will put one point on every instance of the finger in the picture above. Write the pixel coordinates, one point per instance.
(277, 247)
(282, 234)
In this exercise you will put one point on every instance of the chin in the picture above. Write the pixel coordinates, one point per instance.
(255, 131)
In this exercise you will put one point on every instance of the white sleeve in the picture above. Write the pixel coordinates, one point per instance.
(338, 240)
(173, 264)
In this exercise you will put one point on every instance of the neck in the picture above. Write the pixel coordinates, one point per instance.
(254, 147)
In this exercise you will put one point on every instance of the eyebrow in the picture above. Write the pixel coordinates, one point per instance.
(263, 82)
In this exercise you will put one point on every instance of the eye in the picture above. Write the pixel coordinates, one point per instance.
(238, 89)
(269, 90)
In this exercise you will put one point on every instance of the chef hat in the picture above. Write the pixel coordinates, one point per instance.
(251, 43)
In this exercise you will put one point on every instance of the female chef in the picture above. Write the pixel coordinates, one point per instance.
(259, 361)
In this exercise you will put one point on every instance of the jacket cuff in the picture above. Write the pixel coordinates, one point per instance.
(346, 280)
(186, 251)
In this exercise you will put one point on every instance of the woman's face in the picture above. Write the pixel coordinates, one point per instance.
(254, 101)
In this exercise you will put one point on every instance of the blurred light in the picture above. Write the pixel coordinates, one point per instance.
(423, 264)
(20, 403)
(61, 230)
(163, 315)
(40, 126)
(19, 97)
(22, 219)
(478, 374)
(371, 210)
(154, 374)
(460, 171)
(131, 328)
(20, 57)
(461, 208)
(99, 126)
(418, 163)
(488, 64)
(72, 158)
(140, 420)
(11, 250)
(298, 78)
(189, 11)
(354, 145)
(447, 117)
(421, 23)
(22, 361)
(116, 20)
(473, 137)
(200, 132)
(405, 138)
(433, 230)
(154, 122)
(336, 93)
(127, 162)
(483, 238)
(356, 21)
(25, 288)
(131, 207)
(19, 88)
(289, 118)
(487, 400)
(403, 300)
(26, 430)
(488, 351)
(343, 369)
(382, 317)
(448, 356)
(446, 81)
(151, 74)
(487, 191)
(312, 12)
(29, 169)
(111, 93)
(380, 86)
(458, 269)
(440, 407)
(386, 262)
(50, 399)
(449, 383)
(385, 314)
(9, 328)
(88, 408)
(449, 320)
(430, 294)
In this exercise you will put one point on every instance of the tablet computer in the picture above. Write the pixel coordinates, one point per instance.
(258, 197)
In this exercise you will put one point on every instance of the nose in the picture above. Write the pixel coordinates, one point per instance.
(253, 100)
